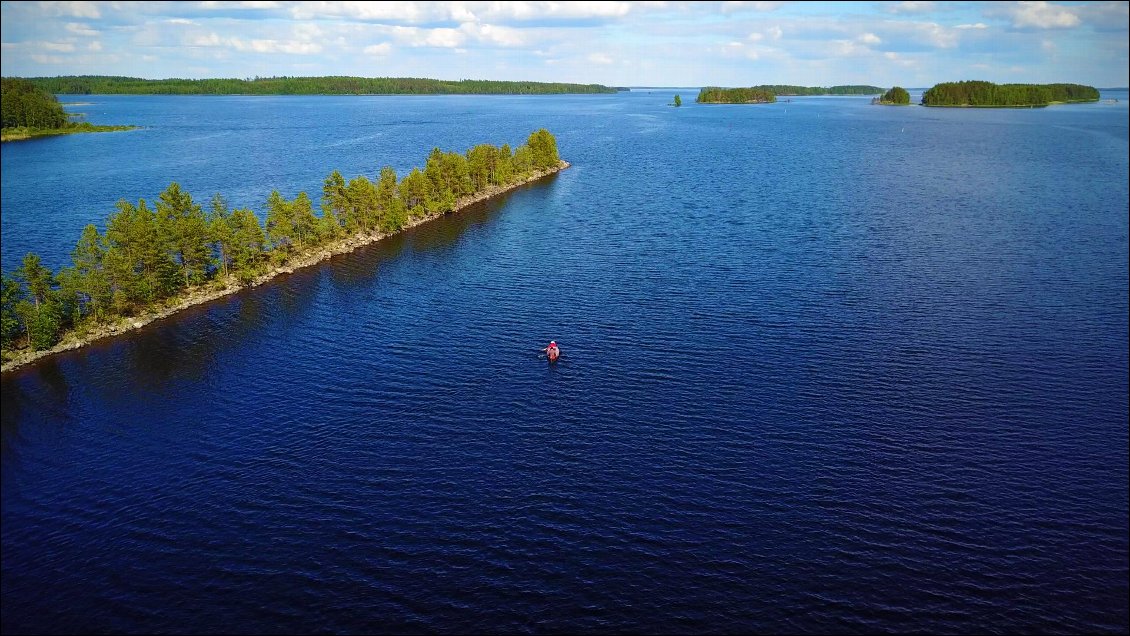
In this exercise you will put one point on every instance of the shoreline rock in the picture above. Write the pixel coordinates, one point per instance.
(209, 292)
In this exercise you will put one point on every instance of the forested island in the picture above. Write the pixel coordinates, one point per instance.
(152, 261)
(978, 94)
(768, 93)
(27, 110)
(717, 95)
(332, 85)
(786, 90)
(897, 96)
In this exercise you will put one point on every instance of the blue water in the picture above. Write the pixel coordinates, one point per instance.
(828, 368)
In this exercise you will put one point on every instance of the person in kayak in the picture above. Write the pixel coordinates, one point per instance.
(552, 351)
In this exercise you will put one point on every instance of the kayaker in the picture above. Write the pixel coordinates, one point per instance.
(552, 351)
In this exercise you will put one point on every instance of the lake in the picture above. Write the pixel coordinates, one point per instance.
(827, 367)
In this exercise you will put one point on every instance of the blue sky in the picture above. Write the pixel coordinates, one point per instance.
(913, 44)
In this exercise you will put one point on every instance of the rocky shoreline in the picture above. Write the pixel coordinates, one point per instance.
(219, 289)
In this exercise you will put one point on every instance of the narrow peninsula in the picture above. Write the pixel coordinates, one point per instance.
(150, 263)
(977, 94)
(27, 111)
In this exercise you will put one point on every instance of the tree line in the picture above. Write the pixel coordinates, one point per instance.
(782, 90)
(717, 95)
(332, 85)
(23, 104)
(978, 93)
(149, 254)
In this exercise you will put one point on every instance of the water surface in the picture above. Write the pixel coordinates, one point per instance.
(828, 367)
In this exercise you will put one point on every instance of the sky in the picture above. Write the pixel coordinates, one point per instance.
(678, 44)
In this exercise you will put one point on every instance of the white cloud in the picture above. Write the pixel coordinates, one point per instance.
(47, 59)
(911, 7)
(895, 58)
(62, 47)
(94, 46)
(185, 21)
(81, 29)
(441, 38)
(459, 12)
(293, 47)
(382, 49)
(755, 37)
(735, 5)
(1041, 15)
(501, 36)
(978, 25)
(276, 46)
(71, 9)
(869, 39)
(470, 32)
(599, 58)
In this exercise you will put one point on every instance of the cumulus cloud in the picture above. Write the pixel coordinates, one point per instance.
(292, 47)
(735, 5)
(470, 32)
(382, 49)
(80, 29)
(72, 9)
(1042, 15)
(460, 12)
(869, 39)
(911, 7)
(978, 25)
(599, 58)
(61, 47)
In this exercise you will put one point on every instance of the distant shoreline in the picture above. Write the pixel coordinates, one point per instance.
(220, 288)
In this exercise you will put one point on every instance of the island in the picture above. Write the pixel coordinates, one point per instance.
(331, 85)
(897, 96)
(979, 94)
(787, 90)
(27, 111)
(716, 95)
(153, 261)
(768, 93)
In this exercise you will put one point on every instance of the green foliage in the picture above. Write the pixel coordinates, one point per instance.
(716, 95)
(108, 85)
(768, 93)
(897, 95)
(678, 101)
(988, 94)
(11, 293)
(25, 104)
(543, 148)
(147, 256)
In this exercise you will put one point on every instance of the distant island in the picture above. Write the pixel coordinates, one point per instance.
(897, 96)
(151, 262)
(333, 85)
(785, 90)
(977, 94)
(716, 95)
(768, 93)
(28, 111)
